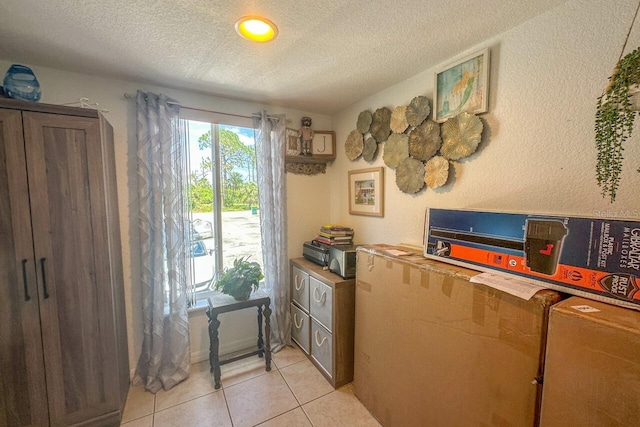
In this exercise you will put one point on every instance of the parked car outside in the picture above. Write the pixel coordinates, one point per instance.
(203, 266)
(201, 229)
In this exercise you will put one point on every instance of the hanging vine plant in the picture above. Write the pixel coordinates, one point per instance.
(615, 114)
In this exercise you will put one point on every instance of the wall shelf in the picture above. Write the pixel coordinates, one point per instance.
(306, 165)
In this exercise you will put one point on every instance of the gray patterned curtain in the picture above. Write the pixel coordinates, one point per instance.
(164, 360)
(270, 139)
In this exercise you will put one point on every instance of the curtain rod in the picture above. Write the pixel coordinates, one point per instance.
(133, 96)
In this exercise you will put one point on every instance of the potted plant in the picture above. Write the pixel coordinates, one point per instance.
(241, 279)
(615, 113)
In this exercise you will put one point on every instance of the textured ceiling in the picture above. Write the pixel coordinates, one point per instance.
(329, 53)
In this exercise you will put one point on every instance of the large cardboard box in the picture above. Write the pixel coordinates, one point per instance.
(597, 258)
(592, 373)
(433, 349)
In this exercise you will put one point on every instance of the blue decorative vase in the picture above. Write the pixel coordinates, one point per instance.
(21, 83)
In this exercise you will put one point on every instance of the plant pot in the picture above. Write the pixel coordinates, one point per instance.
(244, 296)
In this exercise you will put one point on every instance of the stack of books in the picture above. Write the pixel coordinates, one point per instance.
(334, 234)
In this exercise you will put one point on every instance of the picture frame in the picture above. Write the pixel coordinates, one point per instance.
(323, 143)
(292, 145)
(366, 192)
(462, 86)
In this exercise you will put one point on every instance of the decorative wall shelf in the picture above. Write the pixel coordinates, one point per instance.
(306, 165)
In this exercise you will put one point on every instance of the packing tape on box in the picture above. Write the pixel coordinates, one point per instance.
(447, 285)
(424, 279)
(497, 421)
(361, 284)
(406, 274)
(515, 334)
(477, 310)
(493, 299)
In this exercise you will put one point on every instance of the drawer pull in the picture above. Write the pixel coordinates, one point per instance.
(319, 298)
(295, 317)
(295, 281)
(318, 342)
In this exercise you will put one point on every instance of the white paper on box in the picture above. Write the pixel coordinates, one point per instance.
(585, 308)
(517, 287)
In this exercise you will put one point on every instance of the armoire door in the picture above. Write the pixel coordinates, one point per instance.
(23, 398)
(68, 211)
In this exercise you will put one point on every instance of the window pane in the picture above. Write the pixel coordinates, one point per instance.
(239, 186)
(223, 197)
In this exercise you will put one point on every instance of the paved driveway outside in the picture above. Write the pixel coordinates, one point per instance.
(240, 236)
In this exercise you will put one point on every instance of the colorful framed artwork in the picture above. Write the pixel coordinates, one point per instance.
(366, 192)
(292, 145)
(323, 143)
(462, 86)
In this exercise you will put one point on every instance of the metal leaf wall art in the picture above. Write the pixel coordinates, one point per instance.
(381, 124)
(399, 119)
(353, 146)
(370, 149)
(461, 136)
(418, 110)
(364, 121)
(410, 175)
(436, 172)
(396, 150)
(419, 149)
(424, 140)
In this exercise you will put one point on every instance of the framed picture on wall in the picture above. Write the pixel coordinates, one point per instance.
(366, 192)
(292, 145)
(324, 143)
(462, 86)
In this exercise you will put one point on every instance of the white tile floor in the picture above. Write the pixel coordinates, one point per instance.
(293, 394)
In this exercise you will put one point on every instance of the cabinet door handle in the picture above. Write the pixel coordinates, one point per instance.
(24, 280)
(295, 281)
(321, 297)
(295, 317)
(44, 278)
(318, 342)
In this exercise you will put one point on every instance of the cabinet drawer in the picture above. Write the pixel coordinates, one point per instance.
(300, 327)
(321, 302)
(300, 287)
(322, 346)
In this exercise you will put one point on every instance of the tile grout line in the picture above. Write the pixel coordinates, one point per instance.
(307, 415)
(290, 389)
(296, 397)
(285, 412)
(226, 403)
(153, 414)
(222, 387)
(155, 409)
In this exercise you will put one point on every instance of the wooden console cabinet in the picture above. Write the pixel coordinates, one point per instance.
(63, 340)
(322, 313)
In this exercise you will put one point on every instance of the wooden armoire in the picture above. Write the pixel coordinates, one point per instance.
(63, 341)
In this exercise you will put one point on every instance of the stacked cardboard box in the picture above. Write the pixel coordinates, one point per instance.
(592, 374)
(433, 349)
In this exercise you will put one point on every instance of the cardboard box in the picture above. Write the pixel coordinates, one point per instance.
(592, 373)
(433, 349)
(588, 257)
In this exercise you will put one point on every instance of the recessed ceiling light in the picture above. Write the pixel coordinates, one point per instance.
(256, 28)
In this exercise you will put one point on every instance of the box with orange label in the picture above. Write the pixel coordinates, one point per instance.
(590, 257)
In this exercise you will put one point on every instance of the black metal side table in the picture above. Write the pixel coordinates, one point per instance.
(221, 303)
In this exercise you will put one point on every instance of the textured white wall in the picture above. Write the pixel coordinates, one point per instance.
(61, 87)
(538, 152)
